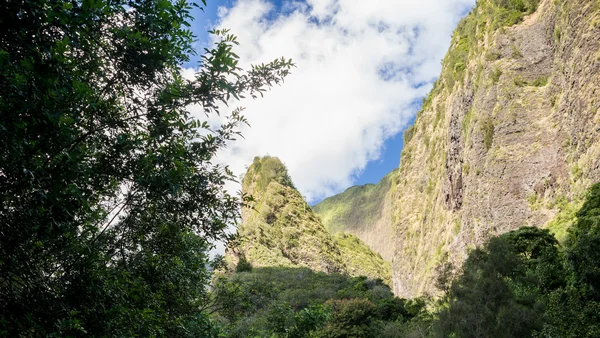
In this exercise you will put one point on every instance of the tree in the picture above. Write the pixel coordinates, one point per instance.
(503, 286)
(574, 310)
(109, 199)
(351, 318)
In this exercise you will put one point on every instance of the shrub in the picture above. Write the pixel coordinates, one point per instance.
(408, 134)
(350, 318)
(540, 81)
(519, 82)
(493, 56)
(496, 74)
(243, 265)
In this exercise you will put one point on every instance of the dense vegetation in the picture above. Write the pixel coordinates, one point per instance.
(109, 201)
(519, 284)
(298, 302)
(524, 284)
(361, 260)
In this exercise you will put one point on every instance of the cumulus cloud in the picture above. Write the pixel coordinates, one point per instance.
(361, 66)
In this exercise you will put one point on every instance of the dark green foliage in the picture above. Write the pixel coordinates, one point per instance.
(297, 302)
(574, 310)
(501, 290)
(582, 257)
(522, 284)
(512, 12)
(540, 81)
(243, 265)
(524, 6)
(351, 318)
(109, 201)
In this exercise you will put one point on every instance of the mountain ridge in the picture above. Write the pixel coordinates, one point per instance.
(364, 211)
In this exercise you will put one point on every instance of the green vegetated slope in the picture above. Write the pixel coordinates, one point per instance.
(361, 260)
(364, 211)
(279, 229)
(507, 137)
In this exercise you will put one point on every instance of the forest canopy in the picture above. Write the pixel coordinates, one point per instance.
(109, 196)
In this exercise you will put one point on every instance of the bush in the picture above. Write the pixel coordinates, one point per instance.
(540, 82)
(408, 134)
(297, 302)
(496, 74)
(351, 318)
(243, 265)
(502, 288)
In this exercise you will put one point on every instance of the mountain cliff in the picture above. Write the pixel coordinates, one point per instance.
(364, 211)
(278, 228)
(508, 136)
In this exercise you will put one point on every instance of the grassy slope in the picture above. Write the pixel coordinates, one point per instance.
(356, 207)
(282, 230)
(362, 261)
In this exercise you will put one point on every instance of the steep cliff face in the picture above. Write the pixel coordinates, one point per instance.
(364, 211)
(280, 229)
(508, 137)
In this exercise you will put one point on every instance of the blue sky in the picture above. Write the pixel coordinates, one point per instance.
(362, 70)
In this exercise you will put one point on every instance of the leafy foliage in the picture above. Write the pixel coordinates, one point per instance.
(298, 302)
(351, 318)
(109, 199)
(574, 310)
(523, 284)
(498, 293)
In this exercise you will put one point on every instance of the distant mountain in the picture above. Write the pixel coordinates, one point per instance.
(364, 211)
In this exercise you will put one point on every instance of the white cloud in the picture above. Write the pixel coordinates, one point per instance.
(359, 66)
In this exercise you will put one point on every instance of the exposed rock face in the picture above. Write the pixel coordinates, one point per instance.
(280, 229)
(509, 136)
(365, 211)
(453, 184)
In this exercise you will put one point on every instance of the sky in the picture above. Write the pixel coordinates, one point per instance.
(362, 70)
